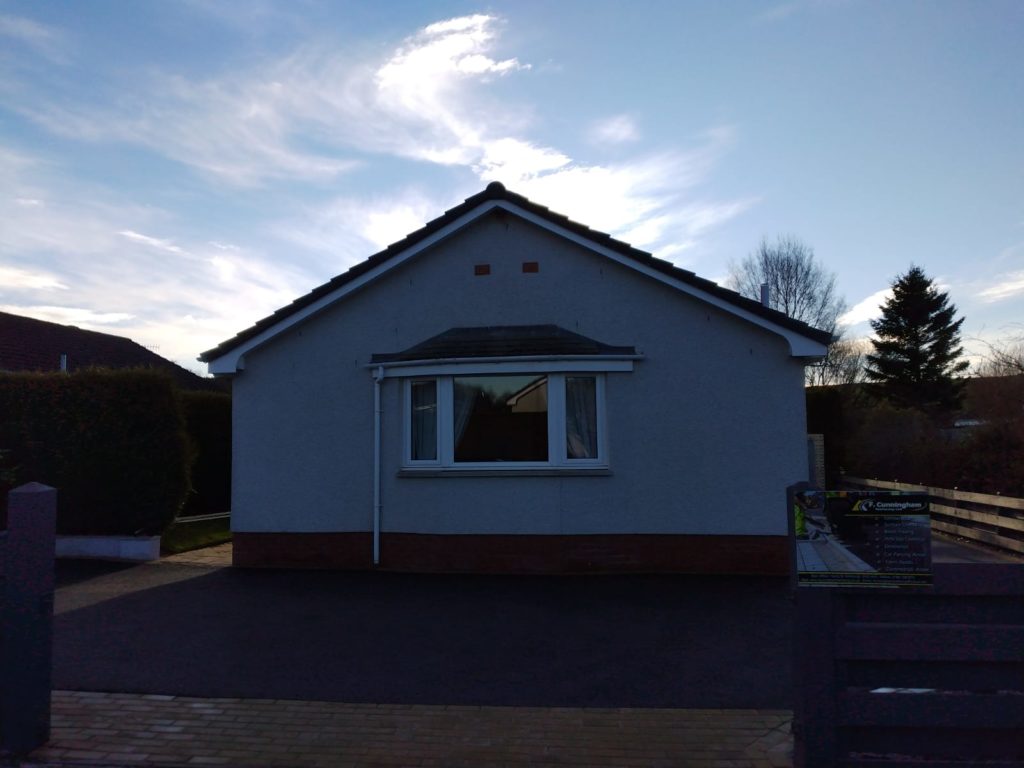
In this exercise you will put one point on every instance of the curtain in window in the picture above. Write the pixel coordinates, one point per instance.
(581, 417)
(464, 400)
(424, 420)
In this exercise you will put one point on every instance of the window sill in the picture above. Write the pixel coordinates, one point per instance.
(517, 472)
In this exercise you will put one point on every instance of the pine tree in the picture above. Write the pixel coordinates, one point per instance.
(917, 349)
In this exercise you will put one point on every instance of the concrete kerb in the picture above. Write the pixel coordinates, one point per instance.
(119, 729)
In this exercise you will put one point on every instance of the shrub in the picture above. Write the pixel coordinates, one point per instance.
(992, 459)
(902, 444)
(112, 443)
(828, 414)
(208, 423)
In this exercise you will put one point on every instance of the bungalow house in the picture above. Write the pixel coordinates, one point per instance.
(507, 390)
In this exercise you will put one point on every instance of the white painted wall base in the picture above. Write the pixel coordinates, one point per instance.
(135, 548)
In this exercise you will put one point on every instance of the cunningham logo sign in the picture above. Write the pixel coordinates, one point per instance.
(890, 506)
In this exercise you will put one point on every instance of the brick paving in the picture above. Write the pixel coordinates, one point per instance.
(119, 729)
(217, 556)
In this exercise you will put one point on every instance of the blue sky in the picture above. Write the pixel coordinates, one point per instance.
(173, 172)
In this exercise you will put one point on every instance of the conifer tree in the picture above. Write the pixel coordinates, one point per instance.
(917, 350)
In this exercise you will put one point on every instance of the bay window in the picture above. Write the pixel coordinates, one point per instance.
(508, 420)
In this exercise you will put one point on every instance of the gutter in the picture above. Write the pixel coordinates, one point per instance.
(377, 411)
(380, 366)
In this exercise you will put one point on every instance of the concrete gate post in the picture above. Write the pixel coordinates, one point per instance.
(26, 647)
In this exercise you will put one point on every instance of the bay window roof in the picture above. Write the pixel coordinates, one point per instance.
(504, 341)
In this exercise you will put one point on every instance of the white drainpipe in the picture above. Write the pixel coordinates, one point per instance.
(378, 377)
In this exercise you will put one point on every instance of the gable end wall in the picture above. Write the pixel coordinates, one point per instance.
(704, 434)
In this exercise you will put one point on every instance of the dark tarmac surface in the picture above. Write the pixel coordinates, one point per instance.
(605, 641)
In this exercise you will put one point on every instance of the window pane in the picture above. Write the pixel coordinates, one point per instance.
(500, 418)
(424, 420)
(581, 417)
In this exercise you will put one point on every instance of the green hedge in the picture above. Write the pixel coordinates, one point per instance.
(208, 423)
(872, 439)
(111, 441)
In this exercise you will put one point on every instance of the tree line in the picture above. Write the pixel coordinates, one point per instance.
(903, 407)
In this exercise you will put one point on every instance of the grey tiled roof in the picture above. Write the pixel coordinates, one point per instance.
(497, 191)
(27, 344)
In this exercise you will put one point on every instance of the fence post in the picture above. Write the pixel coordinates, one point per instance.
(27, 646)
(814, 672)
(814, 737)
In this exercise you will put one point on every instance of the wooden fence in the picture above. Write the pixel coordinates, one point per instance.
(912, 677)
(994, 520)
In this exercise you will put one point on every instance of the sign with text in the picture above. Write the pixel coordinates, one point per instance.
(862, 538)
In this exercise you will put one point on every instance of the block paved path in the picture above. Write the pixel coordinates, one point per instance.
(217, 556)
(118, 729)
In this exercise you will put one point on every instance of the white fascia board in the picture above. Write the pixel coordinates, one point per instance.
(799, 345)
(532, 364)
(232, 361)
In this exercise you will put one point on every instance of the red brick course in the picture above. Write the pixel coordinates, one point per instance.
(426, 553)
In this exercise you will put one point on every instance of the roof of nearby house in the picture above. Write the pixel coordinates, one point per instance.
(503, 341)
(27, 344)
(495, 191)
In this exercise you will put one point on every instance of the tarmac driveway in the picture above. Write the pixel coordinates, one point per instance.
(607, 641)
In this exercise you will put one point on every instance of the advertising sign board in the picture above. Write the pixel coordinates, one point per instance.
(862, 538)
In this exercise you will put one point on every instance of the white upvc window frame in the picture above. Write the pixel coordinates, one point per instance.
(558, 457)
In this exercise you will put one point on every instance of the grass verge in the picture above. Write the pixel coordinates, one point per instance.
(182, 537)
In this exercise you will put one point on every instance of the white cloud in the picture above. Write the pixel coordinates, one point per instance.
(866, 309)
(302, 116)
(639, 200)
(89, 245)
(346, 230)
(1007, 285)
(424, 101)
(384, 226)
(513, 160)
(421, 68)
(80, 316)
(154, 242)
(41, 38)
(14, 278)
(63, 221)
(460, 43)
(619, 129)
(234, 130)
(311, 116)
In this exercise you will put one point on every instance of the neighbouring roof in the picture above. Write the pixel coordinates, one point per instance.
(495, 195)
(503, 341)
(27, 344)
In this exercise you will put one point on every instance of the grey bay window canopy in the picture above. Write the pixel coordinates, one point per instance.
(490, 346)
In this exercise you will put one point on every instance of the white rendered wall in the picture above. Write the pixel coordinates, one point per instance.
(703, 436)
